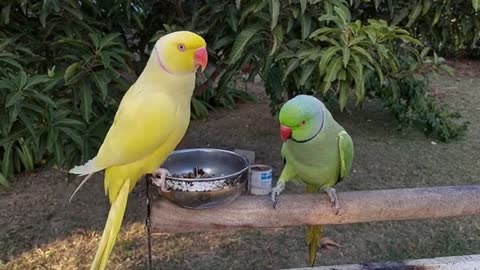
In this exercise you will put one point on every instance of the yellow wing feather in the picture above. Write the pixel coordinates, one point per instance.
(138, 129)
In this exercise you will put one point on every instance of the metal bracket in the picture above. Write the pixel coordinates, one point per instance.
(147, 223)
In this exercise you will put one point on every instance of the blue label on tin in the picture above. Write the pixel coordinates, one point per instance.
(265, 177)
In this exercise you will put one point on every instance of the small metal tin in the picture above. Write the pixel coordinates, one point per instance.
(260, 182)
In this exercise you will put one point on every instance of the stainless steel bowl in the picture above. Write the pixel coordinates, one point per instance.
(228, 175)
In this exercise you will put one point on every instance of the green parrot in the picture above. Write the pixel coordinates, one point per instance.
(316, 150)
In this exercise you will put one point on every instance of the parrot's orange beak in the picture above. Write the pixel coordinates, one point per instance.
(285, 132)
(201, 58)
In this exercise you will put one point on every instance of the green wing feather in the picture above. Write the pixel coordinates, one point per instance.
(345, 147)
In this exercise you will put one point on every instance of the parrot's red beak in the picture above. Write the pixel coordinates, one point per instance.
(285, 132)
(201, 58)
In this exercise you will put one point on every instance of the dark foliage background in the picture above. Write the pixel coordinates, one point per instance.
(64, 65)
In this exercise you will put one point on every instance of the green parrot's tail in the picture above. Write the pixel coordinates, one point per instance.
(314, 234)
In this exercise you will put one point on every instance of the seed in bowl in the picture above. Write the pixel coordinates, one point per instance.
(196, 173)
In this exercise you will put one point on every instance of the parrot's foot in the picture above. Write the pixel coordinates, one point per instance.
(333, 198)
(275, 192)
(159, 178)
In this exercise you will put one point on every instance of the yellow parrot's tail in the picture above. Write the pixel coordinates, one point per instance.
(314, 234)
(112, 227)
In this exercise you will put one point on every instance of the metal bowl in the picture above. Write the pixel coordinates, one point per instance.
(227, 176)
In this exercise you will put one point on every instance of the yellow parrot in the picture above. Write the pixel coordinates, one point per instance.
(152, 118)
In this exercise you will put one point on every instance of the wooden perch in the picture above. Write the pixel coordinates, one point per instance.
(467, 262)
(302, 209)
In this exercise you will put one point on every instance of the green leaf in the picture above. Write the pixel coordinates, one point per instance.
(3, 180)
(27, 122)
(68, 122)
(358, 78)
(43, 15)
(424, 52)
(414, 14)
(69, 72)
(95, 38)
(277, 38)
(344, 86)
(333, 69)
(306, 72)
(249, 9)
(306, 24)
(292, 65)
(231, 17)
(241, 42)
(476, 4)
(101, 81)
(326, 86)
(379, 72)
(290, 24)
(275, 11)
(23, 79)
(85, 100)
(58, 152)
(46, 99)
(403, 14)
(13, 98)
(11, 61)
(6, 13)
(303, 5)
(346, 57)
(107, 40)
(7, 164)
(74, 42)
(325, 59)
(343, 16)
(356, 40)
(329, 17)
(426, 6)
(37, 79)
(284, 55)
(74, 11)
(342, 74)
(438, 13)
(325, 30)
(222, 42)
(363, 52)
(73, 135)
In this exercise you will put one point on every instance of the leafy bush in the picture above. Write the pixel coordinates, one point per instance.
(63, 68)
(447, 26)
(65, 64)
(407, 95)
(58, 76)
(324, 49)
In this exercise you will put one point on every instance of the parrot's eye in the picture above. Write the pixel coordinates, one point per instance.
(303, 123)
(181, 47)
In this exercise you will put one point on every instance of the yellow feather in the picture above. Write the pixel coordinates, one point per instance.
(112, 227)
(151, 120)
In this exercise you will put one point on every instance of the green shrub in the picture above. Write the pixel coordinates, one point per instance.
(447, 26)
(64, 64)
(58, 77)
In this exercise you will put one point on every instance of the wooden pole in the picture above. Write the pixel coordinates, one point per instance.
(302, 209)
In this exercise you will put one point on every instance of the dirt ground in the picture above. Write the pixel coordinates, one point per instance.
(39, 229)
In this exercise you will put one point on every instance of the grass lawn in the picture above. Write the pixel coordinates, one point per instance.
(39, 229)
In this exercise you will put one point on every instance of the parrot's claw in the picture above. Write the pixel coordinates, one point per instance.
(276, 192)
(159, 178)
(333, 198)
